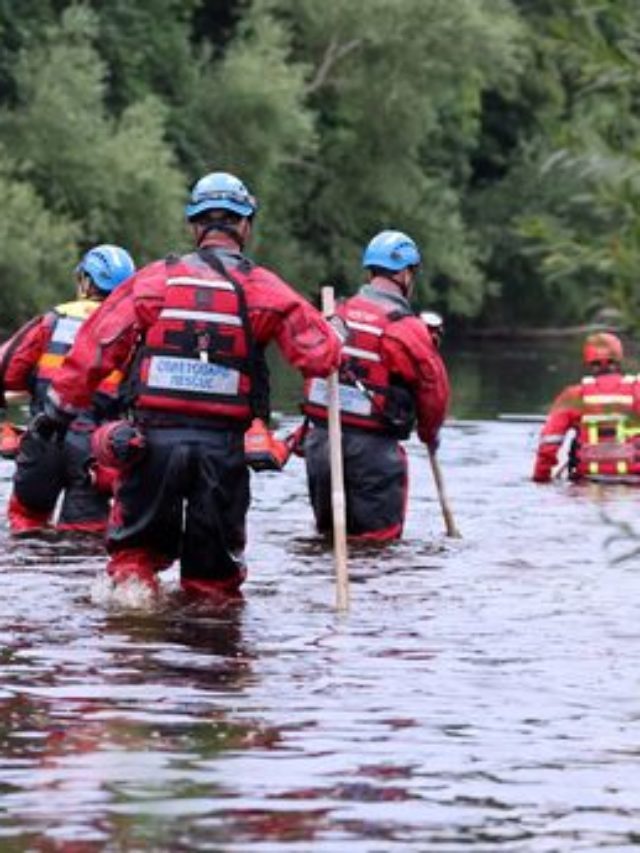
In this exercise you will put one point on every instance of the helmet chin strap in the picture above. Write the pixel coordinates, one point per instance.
(405, 286)
(224, 228)
(83, 286)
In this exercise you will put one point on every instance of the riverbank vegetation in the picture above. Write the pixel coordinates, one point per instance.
(502, 134)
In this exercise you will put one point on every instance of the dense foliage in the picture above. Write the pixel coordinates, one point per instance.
(501, 134)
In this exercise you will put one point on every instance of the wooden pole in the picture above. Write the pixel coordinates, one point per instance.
(337, 474)
(560, 470)
(449, 523)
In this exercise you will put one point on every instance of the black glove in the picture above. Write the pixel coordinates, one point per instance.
(128, 444)
(52, 423)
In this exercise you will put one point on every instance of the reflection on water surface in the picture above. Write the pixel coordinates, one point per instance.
(481, 694)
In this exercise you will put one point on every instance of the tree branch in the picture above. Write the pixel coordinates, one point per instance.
(332, 55)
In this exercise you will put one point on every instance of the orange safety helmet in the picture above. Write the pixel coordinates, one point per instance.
(602, 346)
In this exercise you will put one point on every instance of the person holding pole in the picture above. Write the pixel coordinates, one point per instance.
(392, 378)
(193, 329)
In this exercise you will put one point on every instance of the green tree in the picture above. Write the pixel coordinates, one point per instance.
(113, 175)
(247, 115)
(562, 222)
(38, 249)
(396, 89)
(146, 47)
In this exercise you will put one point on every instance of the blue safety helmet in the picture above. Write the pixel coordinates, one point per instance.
(391, 250)
(220, 191)
(107, 266)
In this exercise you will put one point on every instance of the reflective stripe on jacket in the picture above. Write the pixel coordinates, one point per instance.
(64, 322)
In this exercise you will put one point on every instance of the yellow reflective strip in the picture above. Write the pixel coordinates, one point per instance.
(622, 468)
(603, 399)
(602, 419)
(592, 438)
(80, 309)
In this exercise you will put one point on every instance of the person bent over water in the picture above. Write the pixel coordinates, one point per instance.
(391, 376)
(193, 329)
(28, 362)
(603, 412)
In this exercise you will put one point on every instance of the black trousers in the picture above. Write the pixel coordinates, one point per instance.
(45, 469)
(375, 478)
(187, 498)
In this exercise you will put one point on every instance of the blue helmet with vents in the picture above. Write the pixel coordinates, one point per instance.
(391, 250)
(107, 266)
(220, 191)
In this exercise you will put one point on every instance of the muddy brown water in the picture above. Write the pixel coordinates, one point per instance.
(480, 694)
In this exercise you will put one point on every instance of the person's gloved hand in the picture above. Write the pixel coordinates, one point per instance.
(51, 423)
(339, 327)
(128, 444)
(118, 444)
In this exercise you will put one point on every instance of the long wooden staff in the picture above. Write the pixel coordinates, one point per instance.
(337, 474)
(449, 523)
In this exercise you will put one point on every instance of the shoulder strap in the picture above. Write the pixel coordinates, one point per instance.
(128, 387)
(258, 368)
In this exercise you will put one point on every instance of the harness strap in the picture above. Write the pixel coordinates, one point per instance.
(257, 363)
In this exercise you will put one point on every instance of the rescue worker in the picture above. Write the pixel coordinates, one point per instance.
(603, 411)
(194, 329)
(391, 377)
(28, 362)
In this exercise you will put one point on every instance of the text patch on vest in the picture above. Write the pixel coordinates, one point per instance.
(352, 400)
(191, 374)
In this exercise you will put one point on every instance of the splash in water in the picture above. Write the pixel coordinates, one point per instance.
(131, 595)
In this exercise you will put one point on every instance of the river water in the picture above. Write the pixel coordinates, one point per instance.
(480, 694)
